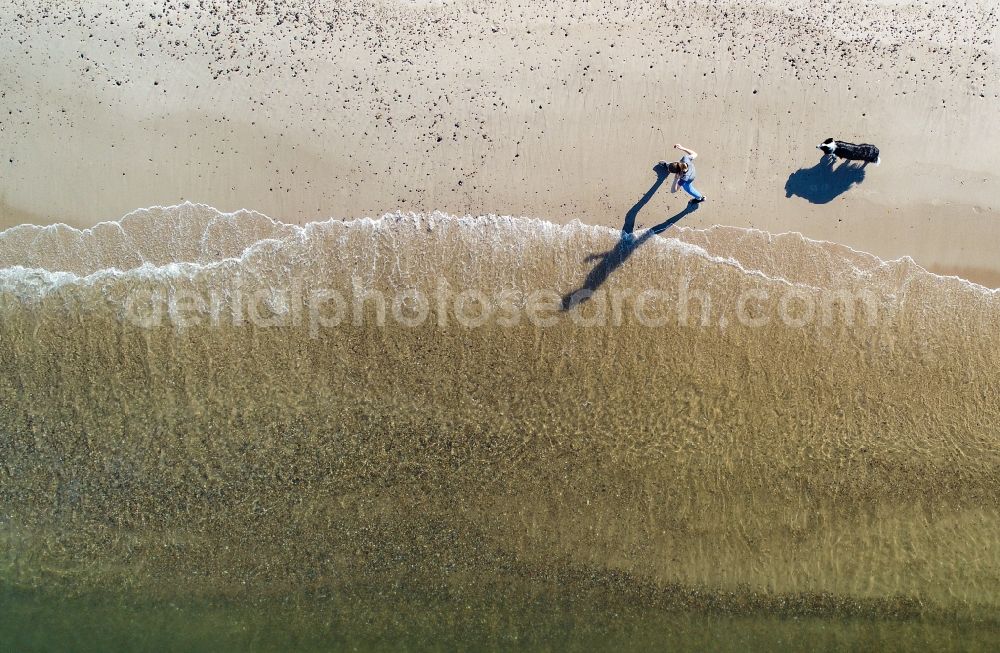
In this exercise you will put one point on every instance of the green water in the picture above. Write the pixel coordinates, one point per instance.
(35, 621)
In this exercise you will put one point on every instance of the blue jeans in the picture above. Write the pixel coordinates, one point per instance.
(691, 190)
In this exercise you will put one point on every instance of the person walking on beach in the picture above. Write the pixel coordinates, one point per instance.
(684, 173)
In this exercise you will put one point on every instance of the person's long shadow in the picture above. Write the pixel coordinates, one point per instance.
(611, 260)
(823, 182)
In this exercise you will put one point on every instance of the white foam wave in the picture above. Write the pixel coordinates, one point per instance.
(185, 239)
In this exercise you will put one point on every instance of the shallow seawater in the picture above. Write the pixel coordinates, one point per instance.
(36, 621)
(440, 432)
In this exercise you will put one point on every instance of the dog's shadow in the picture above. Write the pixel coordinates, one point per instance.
(824, 182)
(609, 261)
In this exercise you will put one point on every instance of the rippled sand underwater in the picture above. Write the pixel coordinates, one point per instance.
(198, 406)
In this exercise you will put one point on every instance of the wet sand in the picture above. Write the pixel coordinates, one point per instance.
(546, 109)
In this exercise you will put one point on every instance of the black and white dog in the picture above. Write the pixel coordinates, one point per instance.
(864, 152)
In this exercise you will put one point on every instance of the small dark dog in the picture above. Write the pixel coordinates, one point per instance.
(864, 152)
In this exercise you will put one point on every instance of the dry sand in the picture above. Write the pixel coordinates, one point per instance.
(306, 110)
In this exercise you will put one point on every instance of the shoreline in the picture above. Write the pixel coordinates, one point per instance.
(677, 232)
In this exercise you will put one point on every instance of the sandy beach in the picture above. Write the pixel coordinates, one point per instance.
(554, 110)
(374, 328)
